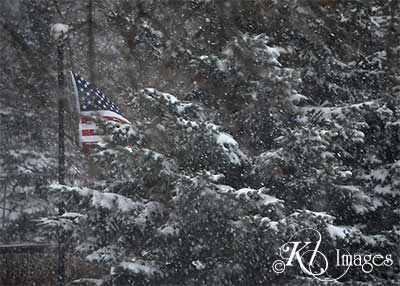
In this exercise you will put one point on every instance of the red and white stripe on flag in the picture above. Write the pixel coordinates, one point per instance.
(88, 129)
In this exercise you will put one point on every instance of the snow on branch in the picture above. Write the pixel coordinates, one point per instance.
(99, 199)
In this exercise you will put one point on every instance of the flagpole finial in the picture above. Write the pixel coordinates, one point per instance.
(59, 32)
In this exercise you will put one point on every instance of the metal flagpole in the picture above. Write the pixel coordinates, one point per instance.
(59, 32)
(61, 109)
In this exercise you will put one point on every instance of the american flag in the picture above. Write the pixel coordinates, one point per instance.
(91, 102)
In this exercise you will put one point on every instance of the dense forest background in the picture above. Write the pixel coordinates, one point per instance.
(250, 121)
